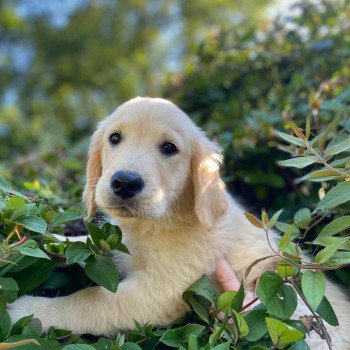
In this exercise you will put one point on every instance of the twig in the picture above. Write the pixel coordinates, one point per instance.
(322, 327)
(313, 225)
(244, 307)
(22, 240)
(322, 161)
(303, 264)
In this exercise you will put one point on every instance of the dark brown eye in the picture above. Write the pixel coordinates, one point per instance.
(168, 148)
(115, 138)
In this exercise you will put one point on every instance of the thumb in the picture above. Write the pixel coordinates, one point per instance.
(225, 276)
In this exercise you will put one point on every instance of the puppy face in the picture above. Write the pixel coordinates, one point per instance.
(144, 155)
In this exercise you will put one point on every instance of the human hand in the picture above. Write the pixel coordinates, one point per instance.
(228, 281)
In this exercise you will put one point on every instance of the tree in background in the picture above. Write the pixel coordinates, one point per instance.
(66, 65)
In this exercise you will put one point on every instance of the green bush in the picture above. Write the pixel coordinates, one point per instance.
(244, 85)
(245, 82)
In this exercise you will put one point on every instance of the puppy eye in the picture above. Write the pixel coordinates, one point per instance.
(115, 138)
(168, 148)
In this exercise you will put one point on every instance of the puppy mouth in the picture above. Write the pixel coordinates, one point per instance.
(122, 209)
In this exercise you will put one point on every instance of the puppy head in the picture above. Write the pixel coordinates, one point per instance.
(142, 159)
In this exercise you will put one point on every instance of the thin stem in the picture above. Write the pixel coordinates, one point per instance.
(244, 307)
(22, 240)
(323, 329)
(322, 161)
(221, 329)
(312, 225)
(303, 265)
(11, 234)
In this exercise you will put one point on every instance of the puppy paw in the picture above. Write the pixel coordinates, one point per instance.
(26, 306)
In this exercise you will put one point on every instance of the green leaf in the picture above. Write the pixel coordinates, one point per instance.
(336, 226)
(339, 194)
(225, 299)
(5, 326)
(299, 162)
(300, 345)
(15, 203)
(31, 248)
(3, 300)
(268, 286)
(61, 218)
(285, 269)
(264, 218)
(223, 346)
(123, 248)
(192, 343)
(256, 323)
(113, 240)
(281, 334)
(104, 245)
(203, 287)
(284, 303)
(313, 284)
(237, 301)
(321, 175)
(302, 218)
(274, 218)
(5, 187)
(77, 252)
(178, 336)
(8, 291)
(32, 223)
(130, 346)
(280, 299)
(240, 323)
(338, 148)
(286, 239)
(34, 275)
(57, 280)
(325, 310)
(326, 253)
(103, 271)
(199, 309)
(339, 258)
(8, 284)
(282, 226)
(96, 233)
(231, 300)
(291, 139)
(17, 328)
(78, 347)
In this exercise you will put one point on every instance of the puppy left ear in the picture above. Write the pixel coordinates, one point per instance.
(93, 172)
(209, 190)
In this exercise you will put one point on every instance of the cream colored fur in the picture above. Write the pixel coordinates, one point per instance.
(175, 228)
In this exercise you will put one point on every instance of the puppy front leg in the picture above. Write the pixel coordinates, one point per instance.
(96, 310)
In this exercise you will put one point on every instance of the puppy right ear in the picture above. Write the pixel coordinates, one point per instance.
(93, 172)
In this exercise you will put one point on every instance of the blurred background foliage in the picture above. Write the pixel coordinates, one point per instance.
(65, 65)
(238, 71)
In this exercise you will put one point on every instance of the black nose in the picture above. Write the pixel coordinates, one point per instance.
(126, 184)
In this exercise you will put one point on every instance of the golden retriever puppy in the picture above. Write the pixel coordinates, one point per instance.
(157, 175)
